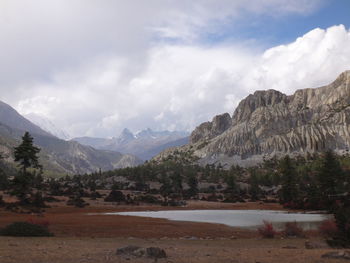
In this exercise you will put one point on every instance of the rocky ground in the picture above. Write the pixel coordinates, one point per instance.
(73, 250)
(84, 235)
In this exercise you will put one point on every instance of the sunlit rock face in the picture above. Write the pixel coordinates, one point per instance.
(269, 123)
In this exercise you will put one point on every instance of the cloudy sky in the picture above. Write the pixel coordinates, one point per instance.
(95, 67)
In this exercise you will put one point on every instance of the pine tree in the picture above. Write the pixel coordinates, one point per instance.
(24, 182)
(3, 175)
(192, 182)
(289, 191)
(254, 189)
(330, 178)
(26, 154)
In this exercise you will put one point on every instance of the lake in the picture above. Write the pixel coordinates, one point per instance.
(236, 218)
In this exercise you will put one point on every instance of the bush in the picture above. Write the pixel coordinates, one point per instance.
(342, 219)
(77, 201)
(148, 199)
(25, 229)
(115, 196)
(291, 229)
(2, 202)
(267, 230)
(328, 228)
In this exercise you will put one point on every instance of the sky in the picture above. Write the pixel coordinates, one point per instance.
(96, 67)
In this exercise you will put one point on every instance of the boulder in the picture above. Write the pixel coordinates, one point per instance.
(151, 252)
(337, 255)
(155, 252)
(128, 250)
(315, 245)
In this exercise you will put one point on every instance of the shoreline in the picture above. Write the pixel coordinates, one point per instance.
(66, 221)
(95, 238)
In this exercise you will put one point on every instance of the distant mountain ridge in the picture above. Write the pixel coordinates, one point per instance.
(47, 125)
(58, 156)
(269, 123)
(10, 117)
(144, 144)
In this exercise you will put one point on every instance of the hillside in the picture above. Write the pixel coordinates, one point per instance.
(57, 156)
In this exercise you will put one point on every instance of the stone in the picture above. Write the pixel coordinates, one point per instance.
(135, 251)
(139, 252)
(315, 245)
(290, 247)
(155, 252)
(337, 255)
(128, 250)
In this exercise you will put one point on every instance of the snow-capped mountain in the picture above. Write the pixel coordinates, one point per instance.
(144, 144)
(47, 125)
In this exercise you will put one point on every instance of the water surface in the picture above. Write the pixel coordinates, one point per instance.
(236, 218)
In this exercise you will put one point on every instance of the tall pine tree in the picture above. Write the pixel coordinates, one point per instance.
(289, 191)
(330, 178)
(26, 154)
(24, 182)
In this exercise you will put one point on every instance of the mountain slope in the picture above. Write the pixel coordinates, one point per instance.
(57, 155)
(10, 117)
(144, 144)
(47, 125)
(269, 123)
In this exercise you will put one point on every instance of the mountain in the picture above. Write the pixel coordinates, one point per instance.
(144, 144)
(47, 125)
(57, 156)
(13, 119)
(269, 123)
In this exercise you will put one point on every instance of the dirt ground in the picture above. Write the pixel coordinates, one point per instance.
(73, 250)
(85, 235)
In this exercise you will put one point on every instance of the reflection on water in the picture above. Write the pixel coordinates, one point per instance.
(236, 218)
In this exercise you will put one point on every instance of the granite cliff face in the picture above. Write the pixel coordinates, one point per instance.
(269, 123)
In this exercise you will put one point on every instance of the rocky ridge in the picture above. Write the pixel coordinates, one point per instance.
(269, 123)
(144, 144)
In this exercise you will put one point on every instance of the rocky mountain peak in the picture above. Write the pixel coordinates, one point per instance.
(269, 123)
(126, 135)
(208, 130)
(261, 98)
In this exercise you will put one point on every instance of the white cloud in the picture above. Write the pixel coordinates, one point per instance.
(95, 67)
(182, 86)
(313, 60)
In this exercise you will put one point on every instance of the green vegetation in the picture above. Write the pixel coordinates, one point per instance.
(313, 181)
(25, 229)
(27, 184)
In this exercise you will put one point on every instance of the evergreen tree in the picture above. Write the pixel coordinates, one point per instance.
(24, 182)
(192, 182)
(3, 176)
(330, 178)
(26, 154)
(231, 181)
(289, 191)
(254, 189)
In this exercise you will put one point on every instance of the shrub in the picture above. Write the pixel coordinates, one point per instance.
(267, 230)
(328, 228)
(291, 229)
(77, 201)
(25, 229)
(115, 196)
(2, 202)
(342, 219)
(148, 199)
